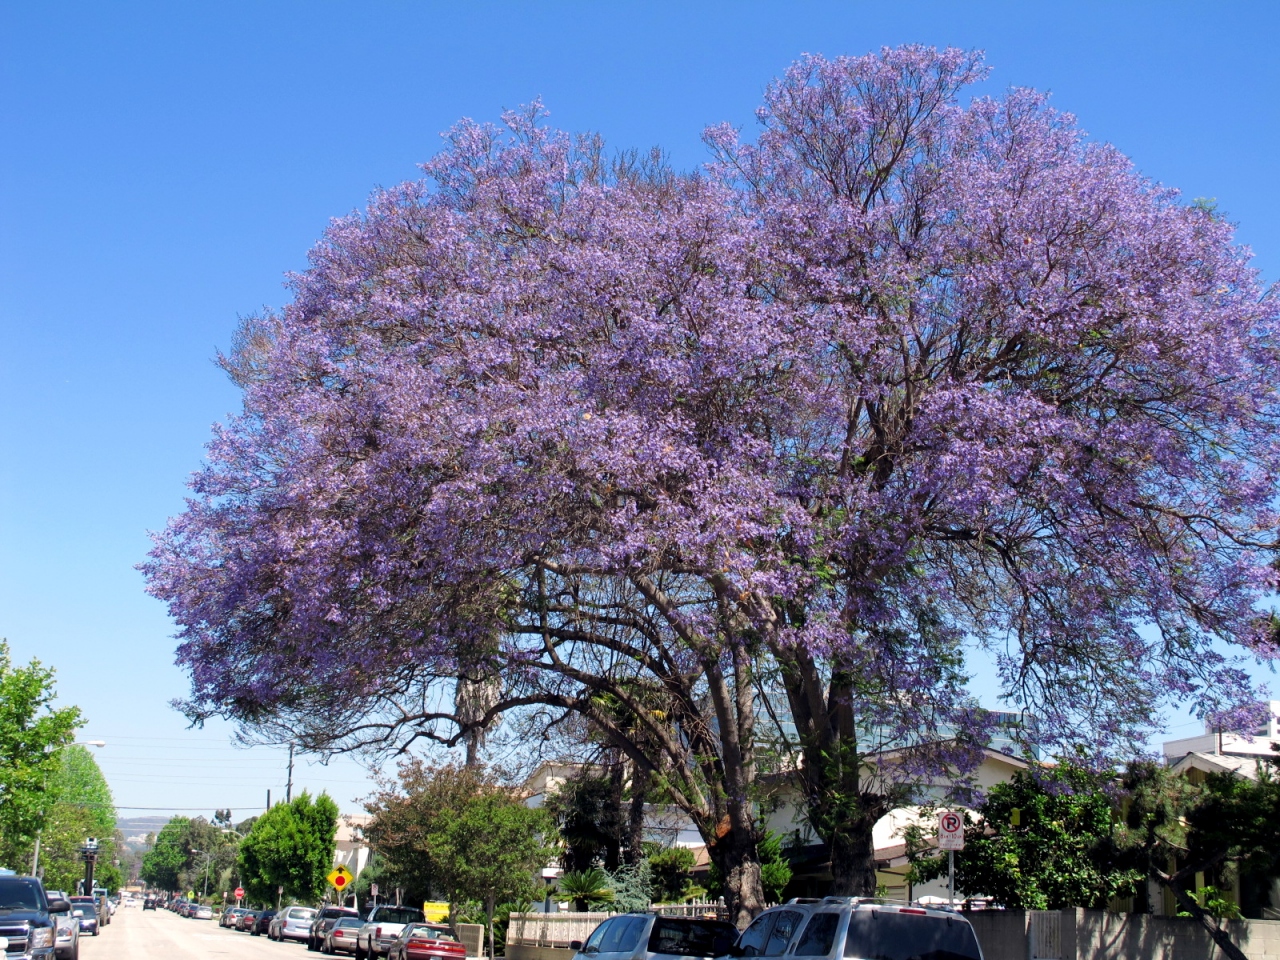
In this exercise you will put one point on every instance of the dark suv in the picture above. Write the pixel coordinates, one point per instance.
(858, 927)
(26, 920)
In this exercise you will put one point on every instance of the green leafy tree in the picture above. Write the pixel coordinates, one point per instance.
(1173, 829)
(490, 849)
(405, 813)
(671, 873)
(632, 886)
(290, 846)
(775, 869)
(588, 811)
(79, 805)
(32, 731)
(1042, 842)
(163, 863)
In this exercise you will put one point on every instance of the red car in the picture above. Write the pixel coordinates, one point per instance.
(426, 941)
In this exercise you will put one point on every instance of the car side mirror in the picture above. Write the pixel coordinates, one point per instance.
(59, 906)
(575, 944)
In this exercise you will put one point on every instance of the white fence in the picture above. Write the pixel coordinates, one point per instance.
(552, 929)
(698, 908)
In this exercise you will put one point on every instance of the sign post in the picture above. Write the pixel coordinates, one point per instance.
(950, 839)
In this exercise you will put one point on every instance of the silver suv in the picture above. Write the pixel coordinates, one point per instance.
(859, 928)
(647, 936)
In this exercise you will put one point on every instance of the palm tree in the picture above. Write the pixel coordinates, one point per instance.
(586, 888)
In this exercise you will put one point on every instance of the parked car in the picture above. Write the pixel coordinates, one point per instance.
(244, 922)
(67, 939)
(426, 941)
(230, 916)
(324, 919)
(644, 936)
(291, 923)
(149, 903)
(381, 926)
(341, 937)
(87, 912)
(203, 912)
(858, 927)
(27, 918)
(263, 921)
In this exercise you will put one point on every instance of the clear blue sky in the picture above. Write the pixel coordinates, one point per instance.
(163, 164)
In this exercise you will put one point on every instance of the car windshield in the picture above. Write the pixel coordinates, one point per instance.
(301, 913)
(431, 933)
(885, 935)
(87, 909)
(349, 922)
(19, 895)
(691, 938)
(399, 914)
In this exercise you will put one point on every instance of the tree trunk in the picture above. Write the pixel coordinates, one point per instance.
(489, 907)
(635, 824)
(738, 861)
(853, 860)
(613, 847)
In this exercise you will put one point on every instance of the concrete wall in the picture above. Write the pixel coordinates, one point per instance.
(1098, 935)
(1002, 934)
(1112, 936)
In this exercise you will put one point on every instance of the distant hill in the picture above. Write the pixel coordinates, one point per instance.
(135, 829)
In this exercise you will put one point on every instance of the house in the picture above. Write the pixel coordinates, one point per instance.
(811, 870)
(1226, 751)
(1241, 753)
(784, 815)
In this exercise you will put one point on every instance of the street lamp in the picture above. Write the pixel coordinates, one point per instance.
(35, 856)
(208, 857)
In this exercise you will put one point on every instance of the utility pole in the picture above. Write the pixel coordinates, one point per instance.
(268, 799)
(288, 787)
(89, 854)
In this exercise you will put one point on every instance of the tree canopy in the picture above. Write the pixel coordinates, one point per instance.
(80, 805)
(1044, 841)
(162, 864)
(32, 733)
(648, 448)
(290, 846)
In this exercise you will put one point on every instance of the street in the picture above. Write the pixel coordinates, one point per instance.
(135, 934)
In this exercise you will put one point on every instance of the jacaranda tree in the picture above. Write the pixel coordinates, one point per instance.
(902, 379)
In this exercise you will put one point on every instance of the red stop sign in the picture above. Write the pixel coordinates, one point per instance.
(239, 893)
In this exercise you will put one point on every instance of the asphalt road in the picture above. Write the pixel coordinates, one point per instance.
(137, 934)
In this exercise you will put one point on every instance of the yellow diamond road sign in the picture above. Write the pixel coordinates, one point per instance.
(339, 878)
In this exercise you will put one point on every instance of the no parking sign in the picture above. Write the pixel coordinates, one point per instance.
(950, 830)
